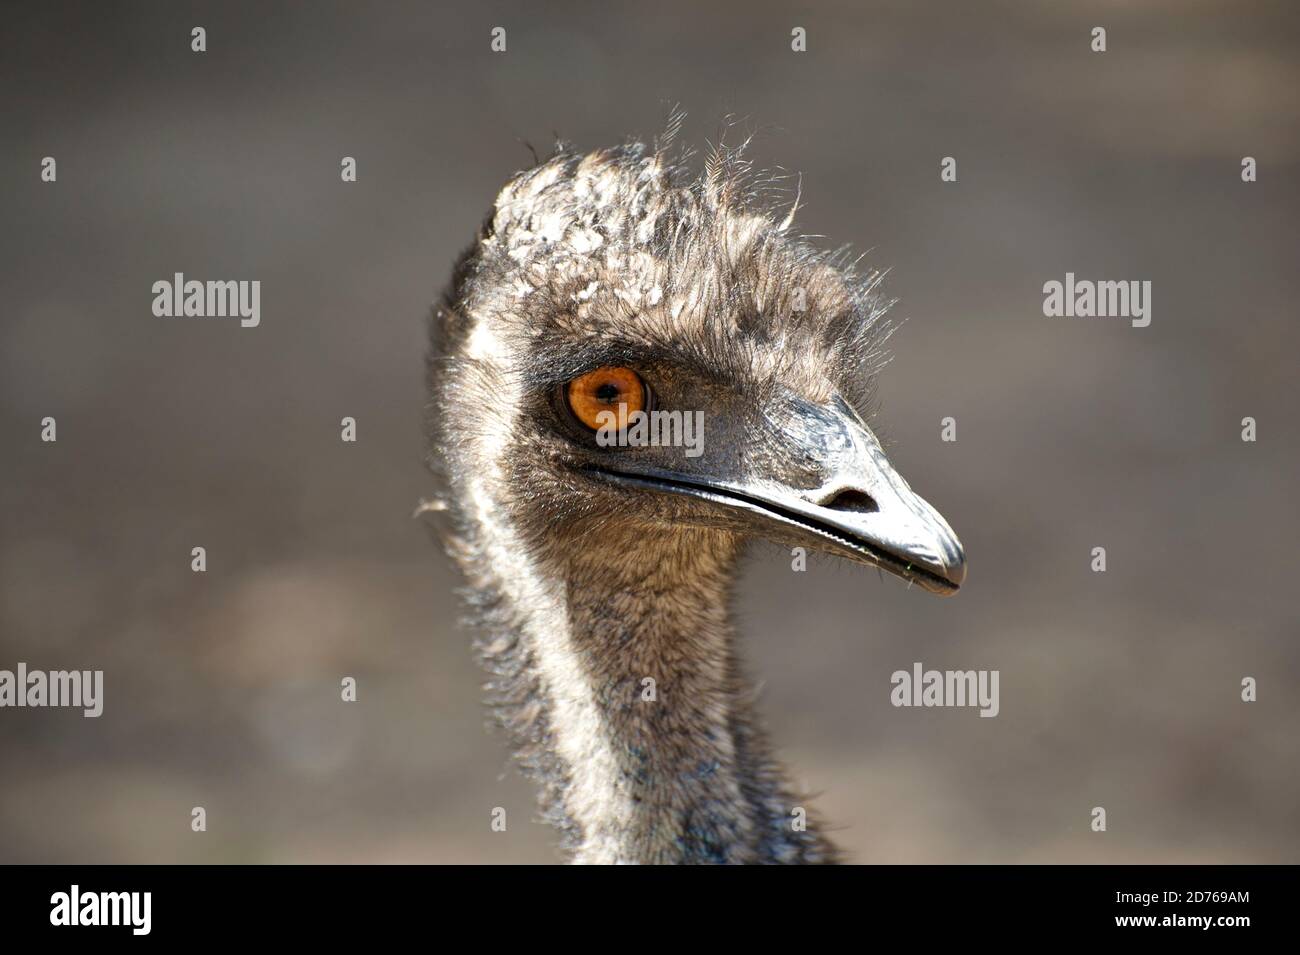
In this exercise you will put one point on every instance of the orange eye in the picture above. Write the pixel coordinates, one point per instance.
(604, 390)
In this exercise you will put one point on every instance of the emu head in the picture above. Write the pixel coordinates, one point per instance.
(609, 279)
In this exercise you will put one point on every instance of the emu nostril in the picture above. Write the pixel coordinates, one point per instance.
(854, 501)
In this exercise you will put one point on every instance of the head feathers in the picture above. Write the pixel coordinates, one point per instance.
(624, 245)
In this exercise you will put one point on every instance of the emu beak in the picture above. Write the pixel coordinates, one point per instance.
(861, 508)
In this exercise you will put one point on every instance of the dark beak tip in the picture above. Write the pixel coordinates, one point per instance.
(947, 582)
(957, 572)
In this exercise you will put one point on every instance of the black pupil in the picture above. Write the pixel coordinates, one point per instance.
(607, 391)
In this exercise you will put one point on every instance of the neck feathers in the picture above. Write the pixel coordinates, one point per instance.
(616, 677)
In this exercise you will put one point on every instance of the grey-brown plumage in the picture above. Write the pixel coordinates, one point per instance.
(593, 570)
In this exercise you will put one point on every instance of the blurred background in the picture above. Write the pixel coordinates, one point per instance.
(1119, 689)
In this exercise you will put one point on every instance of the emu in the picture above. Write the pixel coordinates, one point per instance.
(599, 575)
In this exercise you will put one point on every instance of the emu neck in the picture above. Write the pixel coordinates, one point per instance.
(653, 646)
(651, 752)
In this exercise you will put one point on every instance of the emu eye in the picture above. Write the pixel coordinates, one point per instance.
(604, 390)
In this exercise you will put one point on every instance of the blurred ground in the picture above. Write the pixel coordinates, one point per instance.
(1118, 690)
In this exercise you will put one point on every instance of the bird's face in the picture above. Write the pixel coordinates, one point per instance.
(703, 371)
(641, 440)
